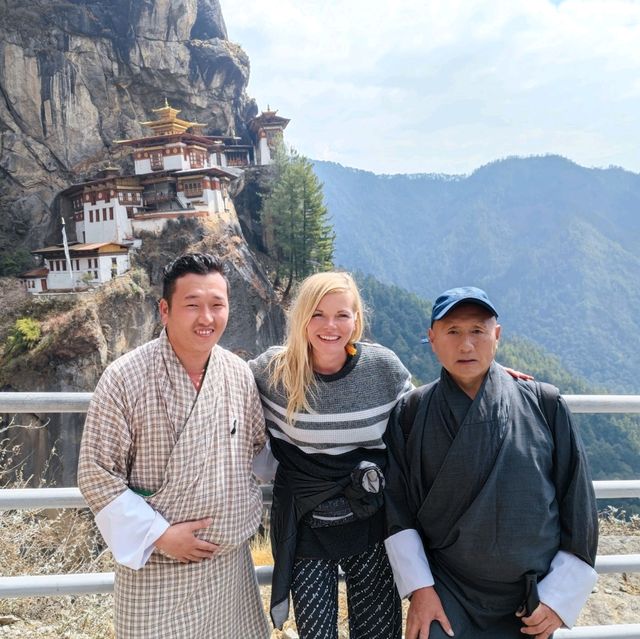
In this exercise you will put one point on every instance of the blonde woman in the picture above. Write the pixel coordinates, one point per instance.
(327, 397)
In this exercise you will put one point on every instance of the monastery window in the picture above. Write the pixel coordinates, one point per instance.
(77, 265)
(157, 163)
(110, 212)
(104, 215)
(95, 275)
(91, 216)
(196, 160)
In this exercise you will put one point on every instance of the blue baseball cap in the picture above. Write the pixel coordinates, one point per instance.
(446, 302)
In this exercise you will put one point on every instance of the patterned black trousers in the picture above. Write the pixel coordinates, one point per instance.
(372, 599)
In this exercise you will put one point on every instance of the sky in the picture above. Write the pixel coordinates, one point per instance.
(446, 86)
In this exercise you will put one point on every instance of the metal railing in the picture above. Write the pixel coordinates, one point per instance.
(92, 583)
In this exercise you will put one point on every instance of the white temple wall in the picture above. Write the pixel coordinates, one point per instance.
(106, 268)
(61, 280)
(176, 163)
(33, 284)
(142, 167)
(264, 152)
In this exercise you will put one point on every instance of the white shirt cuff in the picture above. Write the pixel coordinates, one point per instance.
(408, 561)
(567, 586)
(130, 527)
(265, 464)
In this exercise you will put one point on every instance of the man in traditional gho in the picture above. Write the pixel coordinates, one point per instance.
(166, 466)
(490, 507)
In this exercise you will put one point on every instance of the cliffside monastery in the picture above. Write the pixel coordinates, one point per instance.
(179, 173)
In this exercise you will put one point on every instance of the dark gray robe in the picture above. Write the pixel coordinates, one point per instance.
(493, 490)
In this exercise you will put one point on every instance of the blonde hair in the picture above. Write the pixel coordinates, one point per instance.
(292, 368)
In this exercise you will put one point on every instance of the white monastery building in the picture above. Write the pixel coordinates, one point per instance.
(179, 172)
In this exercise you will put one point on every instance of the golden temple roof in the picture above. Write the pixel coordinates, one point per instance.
(168, 122)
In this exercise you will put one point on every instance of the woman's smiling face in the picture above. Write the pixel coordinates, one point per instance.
(332, 325)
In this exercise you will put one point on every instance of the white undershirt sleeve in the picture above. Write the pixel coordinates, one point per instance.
(130, 527)
(408, 561)
(265, 464)
(567, 586)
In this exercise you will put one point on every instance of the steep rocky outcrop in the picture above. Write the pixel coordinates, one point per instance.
(77, 75)
(83, 333)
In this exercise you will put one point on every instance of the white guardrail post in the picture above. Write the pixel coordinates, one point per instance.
(92, 583)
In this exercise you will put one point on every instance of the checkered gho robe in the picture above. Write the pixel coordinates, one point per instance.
(148, 430)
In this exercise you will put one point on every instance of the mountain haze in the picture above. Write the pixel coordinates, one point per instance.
(556, 246)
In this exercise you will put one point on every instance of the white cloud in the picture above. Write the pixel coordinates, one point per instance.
(445, 86)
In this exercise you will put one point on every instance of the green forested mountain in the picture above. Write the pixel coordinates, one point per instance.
(556, 245)
(399, 319)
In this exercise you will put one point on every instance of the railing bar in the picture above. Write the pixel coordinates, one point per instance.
(51, 585)
(35, 498)
(86, 583)
(628, 631)
(606, 564)
(603, 403)
(44, 402)
(617, 488)
(54, 402)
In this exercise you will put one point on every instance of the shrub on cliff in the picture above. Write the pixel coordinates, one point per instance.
(26, 333)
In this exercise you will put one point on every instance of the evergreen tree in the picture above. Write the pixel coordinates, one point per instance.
(296, 225)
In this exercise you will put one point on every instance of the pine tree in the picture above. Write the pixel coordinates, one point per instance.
(297, 229)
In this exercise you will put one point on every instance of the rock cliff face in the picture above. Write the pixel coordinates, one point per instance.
(77, 75)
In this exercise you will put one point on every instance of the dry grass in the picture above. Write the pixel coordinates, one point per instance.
(261, 551)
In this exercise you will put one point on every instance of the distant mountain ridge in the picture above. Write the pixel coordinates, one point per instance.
(396, 319)
(556, 245)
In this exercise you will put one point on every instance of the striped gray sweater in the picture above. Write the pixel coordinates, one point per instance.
(350, 409)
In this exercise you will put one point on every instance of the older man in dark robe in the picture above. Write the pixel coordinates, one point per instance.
(490, 506)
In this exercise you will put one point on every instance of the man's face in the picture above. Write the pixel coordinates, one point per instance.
(196, 315)
(465, 343)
